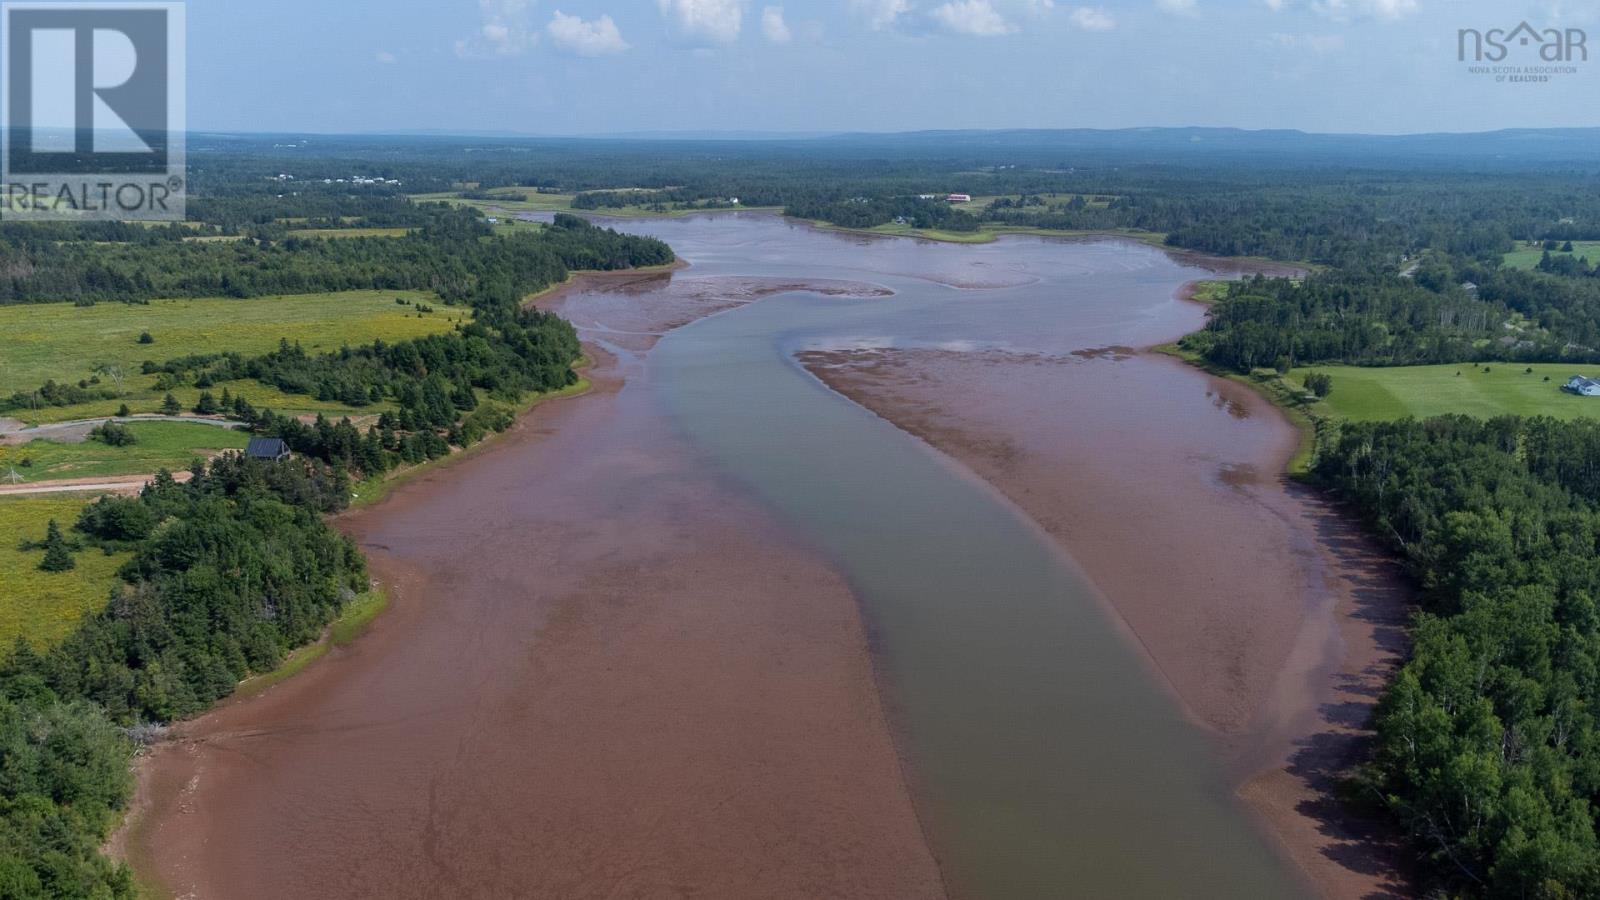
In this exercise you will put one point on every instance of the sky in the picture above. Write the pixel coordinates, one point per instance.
(564, 67)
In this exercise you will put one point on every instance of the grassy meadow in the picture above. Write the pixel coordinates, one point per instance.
(348, 232)
(68, 343)
(45, 607)
(980, 203)
(142, 399)
(551, 203)
(1373, 394)
(160, 445)
(535, 202)
(1527, 257)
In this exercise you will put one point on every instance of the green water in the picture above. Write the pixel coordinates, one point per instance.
(1048, 760)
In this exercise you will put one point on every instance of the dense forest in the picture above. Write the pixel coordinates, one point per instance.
(433, 382)
(1489, 751)
(229, 572)
(453, 254)
(1437, 314)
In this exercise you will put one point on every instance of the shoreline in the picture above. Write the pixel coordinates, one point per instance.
(1297, 792)
(1290, 749)
(1263, 797)
(805, 744)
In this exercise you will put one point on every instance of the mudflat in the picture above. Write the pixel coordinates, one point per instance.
(1273, 623)
(611, 671)
(604, 674)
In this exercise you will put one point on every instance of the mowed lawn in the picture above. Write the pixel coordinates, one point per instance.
(160, 445)
(1372, 394)
(45, 607)
(66, 342)
(1525, 257)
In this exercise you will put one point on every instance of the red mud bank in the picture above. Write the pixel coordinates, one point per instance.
(603, 674)
(1272, 620)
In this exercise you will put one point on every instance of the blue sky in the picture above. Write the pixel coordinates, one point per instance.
(601, 66)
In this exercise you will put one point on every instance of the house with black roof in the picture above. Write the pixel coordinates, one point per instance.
(270, 449)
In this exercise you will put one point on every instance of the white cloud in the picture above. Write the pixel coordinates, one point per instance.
(718, 21)
(774, 26)
(1345, 10)
(975, 17)
(506, 29)
(386, 57)
(1093, 19)
(597, 38)
(1186, 7)
(881, 13)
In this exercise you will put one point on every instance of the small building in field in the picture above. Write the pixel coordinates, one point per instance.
(1582, 386)
(267, 449)
(959, 198)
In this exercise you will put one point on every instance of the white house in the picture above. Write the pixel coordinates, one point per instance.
(1583, 387)
(960, 198)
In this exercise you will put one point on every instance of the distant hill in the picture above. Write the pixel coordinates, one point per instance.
(1518, 146)
(1556, 148)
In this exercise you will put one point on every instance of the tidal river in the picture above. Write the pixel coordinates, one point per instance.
(872, 568)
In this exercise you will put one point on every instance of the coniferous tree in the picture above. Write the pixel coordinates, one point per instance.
(57, 555)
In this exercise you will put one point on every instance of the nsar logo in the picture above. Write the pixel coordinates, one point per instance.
(1553, 45)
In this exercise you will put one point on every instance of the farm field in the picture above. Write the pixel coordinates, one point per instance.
(66, 343)
(160, 445)
(980, 203)
(536, 202)
(1525, 257)
(348, 232)
(44, 607)
(144, 400)
(1372, 394)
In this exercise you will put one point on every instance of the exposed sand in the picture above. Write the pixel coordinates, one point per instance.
(1272, 621)
(617, 319)
(603, 674)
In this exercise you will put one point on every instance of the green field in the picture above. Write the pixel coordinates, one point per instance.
(142, 400)
(979, 204)
(1526, 257)
(1210, 292)
(1368, 394)
(161, 445)
(66, 342)
(348, 232)
(536, 202)
(45, 607)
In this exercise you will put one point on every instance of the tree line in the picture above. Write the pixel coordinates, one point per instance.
(1488, 750)
(229, 572)
(236, 567)
(456, 254)
(1385, 319)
